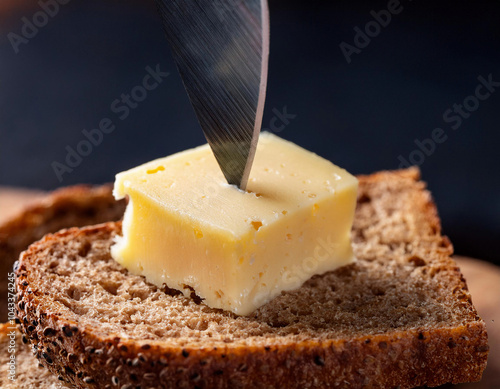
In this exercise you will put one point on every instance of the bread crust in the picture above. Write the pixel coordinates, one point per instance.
(88, 358)
(71, 206)
(28, 373)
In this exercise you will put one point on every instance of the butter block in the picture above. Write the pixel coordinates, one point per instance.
(187, 228)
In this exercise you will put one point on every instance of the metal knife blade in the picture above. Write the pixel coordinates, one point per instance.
(221, 48)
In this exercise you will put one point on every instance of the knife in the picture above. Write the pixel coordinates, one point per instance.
(221, 48)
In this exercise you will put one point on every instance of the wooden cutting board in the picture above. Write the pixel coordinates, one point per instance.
(482, 278)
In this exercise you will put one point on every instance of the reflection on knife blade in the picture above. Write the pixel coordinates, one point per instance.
(221, 49)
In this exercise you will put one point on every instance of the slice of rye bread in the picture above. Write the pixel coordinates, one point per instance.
(400, 316)
(28, 372)
(73, 206)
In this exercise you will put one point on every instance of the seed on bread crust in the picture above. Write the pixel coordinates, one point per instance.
(49, 332)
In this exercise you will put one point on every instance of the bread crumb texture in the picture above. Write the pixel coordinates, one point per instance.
(72, 206)
(401, 315)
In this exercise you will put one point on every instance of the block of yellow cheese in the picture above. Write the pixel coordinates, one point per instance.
(187, 228)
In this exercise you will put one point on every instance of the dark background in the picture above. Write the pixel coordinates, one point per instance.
(362, 115)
